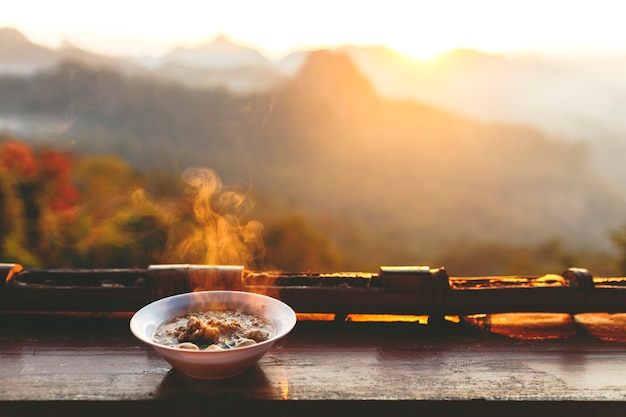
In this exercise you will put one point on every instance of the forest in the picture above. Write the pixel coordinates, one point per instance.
(320, 174)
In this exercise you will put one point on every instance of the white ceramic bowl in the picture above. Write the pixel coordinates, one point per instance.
(212, 364)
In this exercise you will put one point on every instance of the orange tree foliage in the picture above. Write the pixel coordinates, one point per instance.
(92, 212)
(36, 200)
(57, 210)
(61, 211)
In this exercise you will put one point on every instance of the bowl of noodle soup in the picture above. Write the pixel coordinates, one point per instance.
(213, 334)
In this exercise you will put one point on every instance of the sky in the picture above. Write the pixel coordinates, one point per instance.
(277, 27)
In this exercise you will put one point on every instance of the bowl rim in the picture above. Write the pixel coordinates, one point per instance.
(135, 329)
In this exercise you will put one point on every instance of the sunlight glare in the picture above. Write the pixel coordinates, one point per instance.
(420, 29)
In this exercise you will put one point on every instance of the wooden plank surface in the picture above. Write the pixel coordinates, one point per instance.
(74, 366)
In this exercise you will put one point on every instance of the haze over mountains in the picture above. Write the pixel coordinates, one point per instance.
(574, 99)
(346, 136)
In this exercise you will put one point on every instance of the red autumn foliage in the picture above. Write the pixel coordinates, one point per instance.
(66, 196)
(55, 164)
(49, 167)
(18, 158)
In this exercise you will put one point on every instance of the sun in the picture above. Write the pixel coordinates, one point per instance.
(421, 51)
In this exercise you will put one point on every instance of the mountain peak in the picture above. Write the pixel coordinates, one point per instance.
(223, 40)
(14, 41)
(328, 72)
(221, 53)
(18, 54)
(8, 35)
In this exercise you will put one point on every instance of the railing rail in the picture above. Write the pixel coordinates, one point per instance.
(415, 290)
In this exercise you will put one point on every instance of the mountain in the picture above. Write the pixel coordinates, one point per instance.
(431, 175)
(220, 64)
(391, 181)
(221, 53)
(548, 94)
(18, 55)
(370, 167)
(577, 100)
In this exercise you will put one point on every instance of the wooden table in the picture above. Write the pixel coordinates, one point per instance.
(76, 366)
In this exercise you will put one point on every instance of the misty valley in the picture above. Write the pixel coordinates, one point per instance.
(106, 168)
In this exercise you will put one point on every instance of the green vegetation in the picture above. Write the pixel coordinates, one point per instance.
(60, 210)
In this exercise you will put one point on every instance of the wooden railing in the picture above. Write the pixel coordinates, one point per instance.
(414, 290)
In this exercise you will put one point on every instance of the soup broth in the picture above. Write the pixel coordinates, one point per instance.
(214, 330)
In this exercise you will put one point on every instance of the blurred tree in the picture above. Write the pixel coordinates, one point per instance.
(12, 237)
(36, 199)
(103, 178)
(493, 258)
(618, 237)
(293, 244)
(133, 233)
